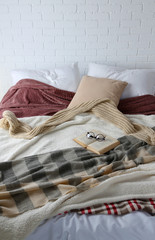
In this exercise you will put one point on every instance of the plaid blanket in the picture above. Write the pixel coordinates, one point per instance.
(33, 181)
(119, 208)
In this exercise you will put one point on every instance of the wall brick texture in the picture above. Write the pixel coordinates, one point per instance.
(46, 33)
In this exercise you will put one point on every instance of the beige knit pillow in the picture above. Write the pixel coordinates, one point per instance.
(92, 88)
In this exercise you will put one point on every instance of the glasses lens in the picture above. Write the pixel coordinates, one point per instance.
(90, 135)
(100, 137)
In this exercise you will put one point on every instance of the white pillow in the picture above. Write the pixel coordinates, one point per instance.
(140, 81)
(66, 78)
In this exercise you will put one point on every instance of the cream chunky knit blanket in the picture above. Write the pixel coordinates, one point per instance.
(102, 108)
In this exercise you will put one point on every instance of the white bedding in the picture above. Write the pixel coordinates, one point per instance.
(12, 148)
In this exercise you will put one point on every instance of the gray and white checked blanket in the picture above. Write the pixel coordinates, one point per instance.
(31, 182)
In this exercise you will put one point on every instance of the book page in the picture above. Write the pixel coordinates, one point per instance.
(103, 146)
(83, 140)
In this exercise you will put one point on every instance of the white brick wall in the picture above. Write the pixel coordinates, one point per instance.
(46, 33)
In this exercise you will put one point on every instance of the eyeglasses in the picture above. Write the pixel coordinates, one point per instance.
(98, 137)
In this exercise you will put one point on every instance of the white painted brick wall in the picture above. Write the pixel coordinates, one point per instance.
(48, 33)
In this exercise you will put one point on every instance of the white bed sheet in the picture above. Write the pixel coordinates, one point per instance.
(133, 226)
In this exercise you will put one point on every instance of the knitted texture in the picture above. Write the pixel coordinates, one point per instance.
(102, 108)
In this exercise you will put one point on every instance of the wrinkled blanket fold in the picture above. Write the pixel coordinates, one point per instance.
(33, 98)
(144, 104)
(33, 181)
(119, 208)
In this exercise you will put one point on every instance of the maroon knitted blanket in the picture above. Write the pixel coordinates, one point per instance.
(138, 105)
(32, 98)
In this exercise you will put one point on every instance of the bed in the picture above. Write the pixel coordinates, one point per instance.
(53, 188)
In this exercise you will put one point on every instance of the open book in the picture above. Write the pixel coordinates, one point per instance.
(95, 146)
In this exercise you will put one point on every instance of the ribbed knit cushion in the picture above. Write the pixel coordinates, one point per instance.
(92, 88)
